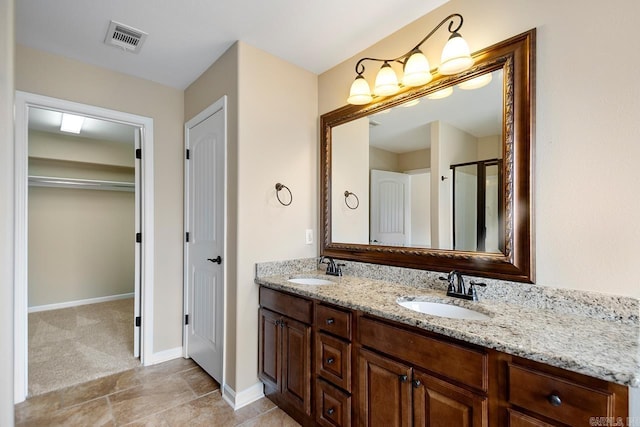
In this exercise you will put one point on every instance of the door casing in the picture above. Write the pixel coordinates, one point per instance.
(23, 102)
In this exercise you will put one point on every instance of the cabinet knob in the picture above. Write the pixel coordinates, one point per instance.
(402, 378)
(330, 361)
(330, 411)
(331, 321)
(554, 399)
(417, 383)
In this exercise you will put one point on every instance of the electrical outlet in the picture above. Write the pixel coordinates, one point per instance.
(308, 236)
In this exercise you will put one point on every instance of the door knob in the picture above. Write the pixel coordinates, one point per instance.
(216, 260)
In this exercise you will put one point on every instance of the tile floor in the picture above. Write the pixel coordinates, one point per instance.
(174, 393)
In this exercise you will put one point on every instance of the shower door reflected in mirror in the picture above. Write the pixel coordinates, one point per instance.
(477, 206)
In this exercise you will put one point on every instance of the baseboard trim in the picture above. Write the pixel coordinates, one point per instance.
(76, 303)
(165, 356)
(244, 397)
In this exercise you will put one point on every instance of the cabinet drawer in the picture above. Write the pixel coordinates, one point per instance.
(295, 307)
(467, 366)
(557, 398)
(517, 419)
(333, 406)
(333, 360)
(334, 321)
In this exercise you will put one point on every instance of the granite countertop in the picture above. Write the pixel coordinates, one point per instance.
(600, 348)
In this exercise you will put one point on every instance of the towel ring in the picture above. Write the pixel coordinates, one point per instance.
(348, 193)
(280, 187)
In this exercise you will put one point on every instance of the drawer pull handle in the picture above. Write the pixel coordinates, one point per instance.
(554, 400)
(330, 321)
(402, 378)
(330, 361)
(330, 411)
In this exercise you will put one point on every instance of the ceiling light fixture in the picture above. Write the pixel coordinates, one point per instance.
(455, 58)
(71, 123)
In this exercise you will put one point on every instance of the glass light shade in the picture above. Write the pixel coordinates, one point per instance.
(477, 82)
(386, 81)
(71, 123)
(411, 103)
(455, 56)
(416, 70)
(442, 93)
(360, 92)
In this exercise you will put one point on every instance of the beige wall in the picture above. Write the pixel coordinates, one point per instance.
(219, 80)
(418, 159)
(77, 149)
(46, 74)
(350, 172)
(383, 160)
(586, 148)
(278, 142)
(272, 137)
(80, 244)
(489, 147)
(6, 210)
(80, 241)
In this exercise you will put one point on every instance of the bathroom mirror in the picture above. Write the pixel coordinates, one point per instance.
(439, 184)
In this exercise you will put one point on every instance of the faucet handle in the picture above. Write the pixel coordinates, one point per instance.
(472, 289)
(449, 279)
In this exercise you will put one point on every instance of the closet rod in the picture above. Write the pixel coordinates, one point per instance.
(84, 184)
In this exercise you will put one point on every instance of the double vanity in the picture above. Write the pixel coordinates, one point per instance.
(388, 343)
(369, 349)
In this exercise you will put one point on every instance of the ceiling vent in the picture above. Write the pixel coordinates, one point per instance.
(125, 37)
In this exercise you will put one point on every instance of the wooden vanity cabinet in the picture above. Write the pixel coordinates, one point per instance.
(333, 358)
(284, 362)
(407, 378)
(330, 366)
(541, 395)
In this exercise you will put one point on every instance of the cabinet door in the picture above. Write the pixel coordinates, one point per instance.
(384, 391)
(269, 353)
(296, 364)
(437, 403)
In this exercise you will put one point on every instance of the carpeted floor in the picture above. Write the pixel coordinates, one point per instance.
(74, 345)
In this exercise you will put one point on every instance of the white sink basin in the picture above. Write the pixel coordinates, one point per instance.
(310, 281)
(443, 310)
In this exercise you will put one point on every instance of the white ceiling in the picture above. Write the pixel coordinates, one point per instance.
(186, 37)
(44, 120)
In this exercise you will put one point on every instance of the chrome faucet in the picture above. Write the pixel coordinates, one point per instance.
(456, 287)
(333, 269)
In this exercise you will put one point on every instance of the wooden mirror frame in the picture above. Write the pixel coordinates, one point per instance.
(516, 57)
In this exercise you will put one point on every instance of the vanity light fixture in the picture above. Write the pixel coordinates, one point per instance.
(477, 82)
(440, 94)
(71, 123)
(455, 58)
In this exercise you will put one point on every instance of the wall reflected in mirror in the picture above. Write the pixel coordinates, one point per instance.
(427, 172)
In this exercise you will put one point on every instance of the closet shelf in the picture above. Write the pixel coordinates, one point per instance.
(83, 184)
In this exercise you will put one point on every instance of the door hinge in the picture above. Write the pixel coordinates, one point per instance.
(138, 237)
(138, 321)
(187, 236)
(186, 319)
(138, 153)
(188, 154)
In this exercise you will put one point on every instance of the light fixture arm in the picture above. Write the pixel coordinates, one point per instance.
(403, 58)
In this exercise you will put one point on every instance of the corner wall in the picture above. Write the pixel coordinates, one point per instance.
(586, 144)
(272, 137)
(6, 210)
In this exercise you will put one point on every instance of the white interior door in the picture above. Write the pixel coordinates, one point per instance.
(206, 140)
(390, 208)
